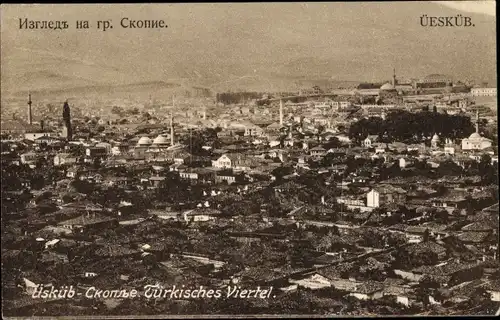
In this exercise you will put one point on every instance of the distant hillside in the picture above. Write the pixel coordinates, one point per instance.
(159, 89)
(252, 46)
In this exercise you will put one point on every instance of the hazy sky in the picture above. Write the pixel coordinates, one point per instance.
(244, 43)
(485, 7)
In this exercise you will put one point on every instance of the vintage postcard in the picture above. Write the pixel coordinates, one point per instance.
(249, 160)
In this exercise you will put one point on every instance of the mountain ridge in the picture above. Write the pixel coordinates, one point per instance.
(259, 47)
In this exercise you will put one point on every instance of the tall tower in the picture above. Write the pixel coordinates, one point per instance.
(477, 121)
(281, 112)
(394, 77)
(171, 130)
(67, 130)
(172, 122)
(30, 120)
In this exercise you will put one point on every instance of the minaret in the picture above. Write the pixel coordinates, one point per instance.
(394, 77)
(67, 130)
(281, 112)
(171, 130)
(477, 121)
(172, 122)
(30, 120)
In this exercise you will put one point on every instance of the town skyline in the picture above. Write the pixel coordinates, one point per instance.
(291, 159)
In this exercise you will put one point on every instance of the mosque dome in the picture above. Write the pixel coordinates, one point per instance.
(435, 137)
(387, 86)
(144, 141)
(475, 135)
(160, 140)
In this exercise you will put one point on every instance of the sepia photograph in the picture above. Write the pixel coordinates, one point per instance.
(248, 160)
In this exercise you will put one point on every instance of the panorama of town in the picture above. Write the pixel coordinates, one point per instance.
(374, 199)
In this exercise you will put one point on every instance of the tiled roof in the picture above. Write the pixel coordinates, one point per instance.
(450, 198)
(493, 285)
(398, 227)
(203, 211)
(289, 185)
(485, 225)
(484, 216)
(26, 301)
(473, 236)
(426, 246)
(396, 289)
(330, 272)
(114, 251)
(423, 227)
(493, 208)
(318, 148)
(369, 287)
(11, 254)
(260, 274)
(86, 220)
(446, 269)
(466, 289)
(388, 189)
(409, 180)
(455, 179)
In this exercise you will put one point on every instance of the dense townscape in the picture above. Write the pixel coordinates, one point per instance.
(379, 199)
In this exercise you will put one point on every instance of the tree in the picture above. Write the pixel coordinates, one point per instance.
(441, 216)
(195, 140)
(333, 142)
(373, 238)
(239, 208)
(402, 259)
(117, 110)
(426, 235)
(147, 115)
(449, 168)
(425, 258)
(326, 242)
(97, 163)
(282, 171)
(426, 287)
(487, 171)
(405, 126)
(82, 186)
